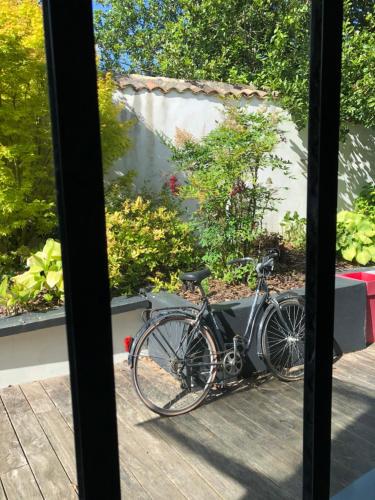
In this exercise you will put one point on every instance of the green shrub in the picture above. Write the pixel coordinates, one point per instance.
(27, 181)
(222, 174)
(119, 190)
(355, 237)
(294, 230)
(365, 203)
(147, 245)
(41, 285)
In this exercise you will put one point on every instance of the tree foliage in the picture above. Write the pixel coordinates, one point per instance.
(223, 173)
(265, 42)
(27, 197)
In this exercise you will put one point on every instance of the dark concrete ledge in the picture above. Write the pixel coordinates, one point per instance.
(349, 326)
(27, 322)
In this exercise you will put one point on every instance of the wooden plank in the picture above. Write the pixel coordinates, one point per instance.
(130, 486)
(267, 451)
(215, 459)
(273, 419)
(48, 471)
(351, 421)
(54, 426)
(60, 434)
(254, 432)
(349, 368)
(344, 440)
(218, 481)
(144, 467)
(59, 392)
(172, 465)
(11, 454)
(367, 354)
(2, 493)
(361, 358)
(20, 484)
(257, 451)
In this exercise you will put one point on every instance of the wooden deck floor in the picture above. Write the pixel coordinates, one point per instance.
(244, 444)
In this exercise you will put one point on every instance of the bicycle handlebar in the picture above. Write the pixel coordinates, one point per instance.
(274, 253)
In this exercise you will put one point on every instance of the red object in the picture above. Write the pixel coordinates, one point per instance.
(369, 279)
(128, 343)
(173, 184)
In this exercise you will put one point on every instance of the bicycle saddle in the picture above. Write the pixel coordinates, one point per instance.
(195, 276)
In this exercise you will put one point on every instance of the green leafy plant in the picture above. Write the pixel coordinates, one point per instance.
(40, 285)
(365, 202)
(27, 192)
(355, 237)
(119, 190)
(159, 283)
(294, 229)
(223, 174)
(240, 274)
(260, 41)
(147, 245)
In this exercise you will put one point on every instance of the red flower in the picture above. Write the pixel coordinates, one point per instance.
(173, 184)
(238, 187)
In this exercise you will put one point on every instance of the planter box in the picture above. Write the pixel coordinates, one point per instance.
(350, 317)
(369, 279)
(33, 346)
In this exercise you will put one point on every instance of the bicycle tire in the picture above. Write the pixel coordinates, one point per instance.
(283, 352)
(174, 365)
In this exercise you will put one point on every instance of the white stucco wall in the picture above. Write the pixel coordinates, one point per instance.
(158, 113)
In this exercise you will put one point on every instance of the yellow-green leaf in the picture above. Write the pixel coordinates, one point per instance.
(349, 253)
(363, 257)
(53, 278)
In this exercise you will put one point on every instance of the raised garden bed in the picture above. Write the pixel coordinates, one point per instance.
(350, 315)
(33, 345)
(289, 274)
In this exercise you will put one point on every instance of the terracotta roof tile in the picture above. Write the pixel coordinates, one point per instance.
(150, 83)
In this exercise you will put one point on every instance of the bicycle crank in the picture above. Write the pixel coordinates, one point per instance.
(232, 363)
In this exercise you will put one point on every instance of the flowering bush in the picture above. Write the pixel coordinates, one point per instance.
(223, 173)
(147, 245)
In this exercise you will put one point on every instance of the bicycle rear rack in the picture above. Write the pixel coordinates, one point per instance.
(149, 314)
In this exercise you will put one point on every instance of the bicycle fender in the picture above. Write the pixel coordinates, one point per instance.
(288, 295)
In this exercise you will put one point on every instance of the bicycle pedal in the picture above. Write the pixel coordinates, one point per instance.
(219, 385)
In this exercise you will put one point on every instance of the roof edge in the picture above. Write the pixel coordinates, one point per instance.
(166, 85)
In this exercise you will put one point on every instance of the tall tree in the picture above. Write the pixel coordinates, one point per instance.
(265, 42)
(27, 196)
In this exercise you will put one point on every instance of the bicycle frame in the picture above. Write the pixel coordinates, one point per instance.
(257, 306)
(204, 314)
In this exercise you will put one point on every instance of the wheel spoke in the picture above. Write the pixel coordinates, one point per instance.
(176, 380)
(284, 349)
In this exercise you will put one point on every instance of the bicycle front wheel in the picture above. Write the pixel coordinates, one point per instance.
(175, 364)
(283, 339)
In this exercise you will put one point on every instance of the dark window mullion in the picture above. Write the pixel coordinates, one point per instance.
(79, 183)
(323, 145)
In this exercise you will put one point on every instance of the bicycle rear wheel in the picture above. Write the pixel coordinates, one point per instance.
(283, 340)
(175, 364)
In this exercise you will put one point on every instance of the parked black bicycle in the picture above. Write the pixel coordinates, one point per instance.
(181, 353)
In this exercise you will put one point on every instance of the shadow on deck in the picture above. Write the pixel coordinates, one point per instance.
(246, 443)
